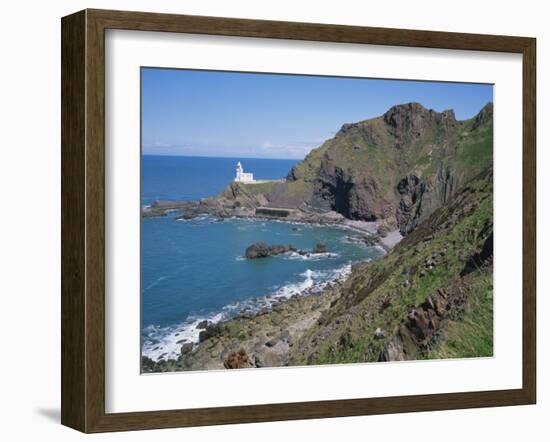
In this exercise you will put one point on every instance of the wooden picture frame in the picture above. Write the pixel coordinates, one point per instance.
(83, 220)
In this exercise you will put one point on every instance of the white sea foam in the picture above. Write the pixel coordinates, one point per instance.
(155, 283)
(309, 256)
(351, 239)
(201, 220)
(165, 342)
(382, 249)
(295, 256)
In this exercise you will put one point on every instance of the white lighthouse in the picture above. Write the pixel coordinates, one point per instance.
(241, 176)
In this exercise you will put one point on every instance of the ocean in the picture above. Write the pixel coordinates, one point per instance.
(194, 269)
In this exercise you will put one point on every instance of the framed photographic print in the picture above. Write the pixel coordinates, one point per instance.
(269, 220)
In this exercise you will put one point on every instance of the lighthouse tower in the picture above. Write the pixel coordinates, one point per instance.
(241, 176)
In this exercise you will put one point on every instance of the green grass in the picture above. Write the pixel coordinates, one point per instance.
(263, 188)
(308, 168)
(477, 149)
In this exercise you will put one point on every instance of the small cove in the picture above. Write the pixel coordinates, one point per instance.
(194, 269)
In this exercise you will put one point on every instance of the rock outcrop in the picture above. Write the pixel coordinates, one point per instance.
(238, 359)
(261, 249)
(419, 196)
(423, 325)
(319, 248)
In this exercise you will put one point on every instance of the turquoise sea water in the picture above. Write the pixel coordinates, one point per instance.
(193, 270)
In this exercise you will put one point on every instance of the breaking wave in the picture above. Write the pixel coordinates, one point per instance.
(165, 342)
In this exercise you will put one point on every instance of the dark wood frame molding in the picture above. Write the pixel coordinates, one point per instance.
(83, 219)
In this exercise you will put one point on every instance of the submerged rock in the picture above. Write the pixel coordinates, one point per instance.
(320, 248)
(317, 250)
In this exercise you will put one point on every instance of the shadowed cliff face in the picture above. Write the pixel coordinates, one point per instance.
(399, 167)
(337, 189)
(420, 197)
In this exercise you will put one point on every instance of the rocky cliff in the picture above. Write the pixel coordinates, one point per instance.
(397, 168)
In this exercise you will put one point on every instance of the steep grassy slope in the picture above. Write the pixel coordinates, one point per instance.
(430, 297)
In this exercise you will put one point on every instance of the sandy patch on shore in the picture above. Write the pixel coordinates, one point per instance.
(391, 239)
(370, 227)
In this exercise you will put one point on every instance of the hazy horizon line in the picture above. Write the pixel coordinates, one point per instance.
(218, 156)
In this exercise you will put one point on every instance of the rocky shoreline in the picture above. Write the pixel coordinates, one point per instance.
(373, 232)
(262, 339)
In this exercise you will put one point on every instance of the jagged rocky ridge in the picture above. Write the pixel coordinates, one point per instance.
(395, 169)
(399, 167)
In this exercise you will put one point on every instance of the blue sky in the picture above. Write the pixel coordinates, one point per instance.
(186, 112)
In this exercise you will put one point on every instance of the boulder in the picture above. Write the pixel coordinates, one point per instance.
(147, 364)
(238, 359)
(202, 325)
(186, 347)
(382, 231)
(261, 250)
(379, 333)
(258, 362)
(211, 331)
(393, 351)
(257, 250)
(320, 248)
(277, 249)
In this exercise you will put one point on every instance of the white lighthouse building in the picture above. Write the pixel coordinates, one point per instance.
(242, 176)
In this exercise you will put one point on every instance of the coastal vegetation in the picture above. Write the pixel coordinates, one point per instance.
(430, 297)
